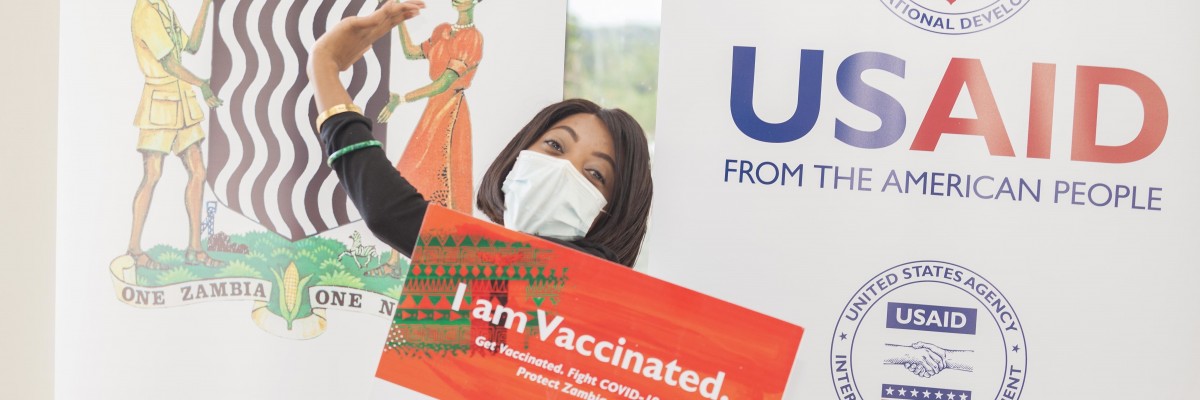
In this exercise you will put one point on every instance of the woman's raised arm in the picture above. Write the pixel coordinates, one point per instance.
(390, 206)
(343, 45)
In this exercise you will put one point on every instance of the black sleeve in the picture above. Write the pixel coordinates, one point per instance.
(391, 207)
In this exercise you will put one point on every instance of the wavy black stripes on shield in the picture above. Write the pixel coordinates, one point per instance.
(264, 157)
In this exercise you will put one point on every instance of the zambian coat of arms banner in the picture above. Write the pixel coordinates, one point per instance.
(202, 238)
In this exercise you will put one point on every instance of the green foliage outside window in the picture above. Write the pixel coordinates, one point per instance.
(615, 66)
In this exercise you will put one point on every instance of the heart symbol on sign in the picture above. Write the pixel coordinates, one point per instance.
(951, 1)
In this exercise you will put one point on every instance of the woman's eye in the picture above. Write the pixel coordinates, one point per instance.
(597, 175)
(554, 145)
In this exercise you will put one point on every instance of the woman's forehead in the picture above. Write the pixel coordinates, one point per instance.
(585, 129)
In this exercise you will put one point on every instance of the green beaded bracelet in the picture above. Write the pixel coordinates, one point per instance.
(352, 148)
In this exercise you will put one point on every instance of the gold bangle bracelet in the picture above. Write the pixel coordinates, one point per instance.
(335, 110)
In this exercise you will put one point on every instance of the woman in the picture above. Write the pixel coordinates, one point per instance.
(576, 174)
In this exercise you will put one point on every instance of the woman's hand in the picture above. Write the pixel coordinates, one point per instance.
(343, 45)
(346, 42)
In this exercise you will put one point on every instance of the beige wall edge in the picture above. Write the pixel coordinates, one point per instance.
(29, 109)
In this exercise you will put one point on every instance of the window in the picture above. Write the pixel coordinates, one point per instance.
(612, 56)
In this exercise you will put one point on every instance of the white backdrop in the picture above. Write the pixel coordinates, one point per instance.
(107, 349)
(1103, 294)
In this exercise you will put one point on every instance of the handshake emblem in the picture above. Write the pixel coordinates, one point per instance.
(926, 360)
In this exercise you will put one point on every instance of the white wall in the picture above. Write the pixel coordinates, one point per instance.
(28, 108)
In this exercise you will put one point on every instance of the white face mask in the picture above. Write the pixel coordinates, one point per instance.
(547, 196)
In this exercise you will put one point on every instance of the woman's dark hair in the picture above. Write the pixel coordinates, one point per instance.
(622, 226)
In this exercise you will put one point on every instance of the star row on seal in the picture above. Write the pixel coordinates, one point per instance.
(916, 392)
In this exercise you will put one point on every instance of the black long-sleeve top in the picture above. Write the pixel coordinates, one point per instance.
(391, 207)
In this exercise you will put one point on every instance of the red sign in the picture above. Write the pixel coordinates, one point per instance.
(491, 313)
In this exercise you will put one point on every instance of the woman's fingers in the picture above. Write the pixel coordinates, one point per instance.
(393, 13)
(416, 4)
(380, 22)
(347, 41)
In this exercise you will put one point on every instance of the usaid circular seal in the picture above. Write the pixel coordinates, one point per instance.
(955, 17)
(928, 330)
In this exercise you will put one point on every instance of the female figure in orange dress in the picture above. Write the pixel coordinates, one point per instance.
(438, 156)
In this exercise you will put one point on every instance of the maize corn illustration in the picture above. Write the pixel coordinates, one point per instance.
(290, 284)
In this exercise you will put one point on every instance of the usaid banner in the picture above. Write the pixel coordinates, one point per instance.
(966, 199)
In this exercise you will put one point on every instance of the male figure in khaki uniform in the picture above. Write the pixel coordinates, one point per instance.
(169, 117)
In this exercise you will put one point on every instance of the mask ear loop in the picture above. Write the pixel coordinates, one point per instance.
(603, 213)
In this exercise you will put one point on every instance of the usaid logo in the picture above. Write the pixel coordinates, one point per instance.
(955, 17)
(928, 330)
(921, 317)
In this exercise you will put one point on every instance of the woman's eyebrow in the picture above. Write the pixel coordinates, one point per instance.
(606, 157)
(574, 136)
